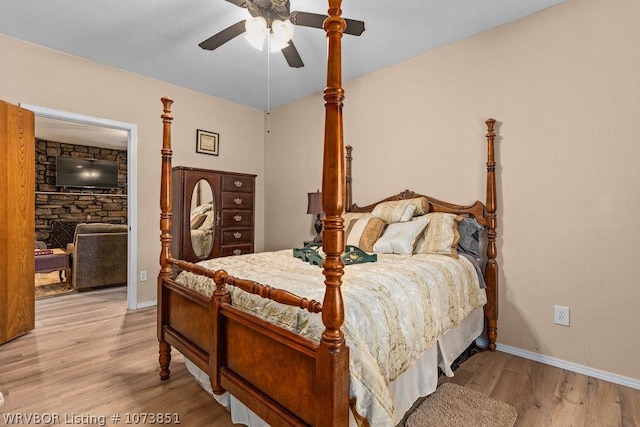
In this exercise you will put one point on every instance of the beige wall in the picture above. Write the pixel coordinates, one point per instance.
(563, 85)
(33, 75)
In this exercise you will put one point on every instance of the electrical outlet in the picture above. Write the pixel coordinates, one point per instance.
(561, 315)
(143, 276)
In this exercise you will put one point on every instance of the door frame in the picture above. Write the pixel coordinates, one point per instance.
(132, 184)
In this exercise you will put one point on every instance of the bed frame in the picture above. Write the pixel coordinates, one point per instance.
(252, 358)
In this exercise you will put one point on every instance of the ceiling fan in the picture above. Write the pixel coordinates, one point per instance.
(274, 18)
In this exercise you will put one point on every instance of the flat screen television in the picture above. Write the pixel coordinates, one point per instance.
(86, 173)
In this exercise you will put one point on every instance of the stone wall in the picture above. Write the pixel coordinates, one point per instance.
(76, 204)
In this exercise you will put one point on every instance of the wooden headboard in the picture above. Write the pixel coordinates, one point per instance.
(484, 213)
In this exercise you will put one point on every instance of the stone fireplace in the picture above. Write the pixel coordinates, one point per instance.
(59, 209)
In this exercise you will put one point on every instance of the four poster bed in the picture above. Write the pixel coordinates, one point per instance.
(369, 349)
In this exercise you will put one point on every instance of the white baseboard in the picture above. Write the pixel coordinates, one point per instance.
(563, 364)
(146, 304)
(526, 354)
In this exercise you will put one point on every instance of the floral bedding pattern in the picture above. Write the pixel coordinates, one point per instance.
(395, 310)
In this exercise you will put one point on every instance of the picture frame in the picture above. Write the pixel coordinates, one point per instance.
(207, 142)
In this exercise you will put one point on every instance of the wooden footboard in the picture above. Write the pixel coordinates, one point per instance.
(247, 356)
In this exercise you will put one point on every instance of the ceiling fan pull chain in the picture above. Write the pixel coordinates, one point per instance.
(268, 82)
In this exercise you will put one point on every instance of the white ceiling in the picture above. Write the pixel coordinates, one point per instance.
(159, 39)
(80, 134)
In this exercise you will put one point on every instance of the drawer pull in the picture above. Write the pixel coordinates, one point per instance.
(237, 201)
(238, 218)
(237, 235)
(238, 184)
(237, 251)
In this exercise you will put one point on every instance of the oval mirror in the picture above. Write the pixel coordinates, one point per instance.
(202, 219)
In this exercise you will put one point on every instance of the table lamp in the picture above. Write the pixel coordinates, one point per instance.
(314, 207)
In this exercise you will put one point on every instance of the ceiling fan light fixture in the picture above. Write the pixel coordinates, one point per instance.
(256, 31)
(276, 45)
(281, 33)
(268, 18)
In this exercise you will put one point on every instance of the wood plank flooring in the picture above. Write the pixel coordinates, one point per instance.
(547, 396)
(90, 356)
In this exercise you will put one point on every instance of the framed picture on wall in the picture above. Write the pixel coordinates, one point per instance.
(207, 142)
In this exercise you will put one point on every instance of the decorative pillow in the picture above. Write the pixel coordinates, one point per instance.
(400, 237)
(354, 231)
(396, 211)
(349, 220)
(371, 233)
(197, 220)
(347, 217)
(422, 205)
(469, 229)
(441, 236)
(421, 218)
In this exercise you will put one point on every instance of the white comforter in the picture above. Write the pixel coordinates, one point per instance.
(396, 308)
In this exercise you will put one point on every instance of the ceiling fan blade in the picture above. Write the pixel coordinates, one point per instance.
(354, 27)
(306, 19)
(292, 56)
(217, 40)
(315, 20)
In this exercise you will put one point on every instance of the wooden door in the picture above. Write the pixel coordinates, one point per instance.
(17, 221)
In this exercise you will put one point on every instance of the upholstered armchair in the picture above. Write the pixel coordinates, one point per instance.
(98, 255)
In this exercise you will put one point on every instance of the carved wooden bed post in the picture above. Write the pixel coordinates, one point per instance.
(165, 235)
(333, 355)
(491, 268)
(348, 180)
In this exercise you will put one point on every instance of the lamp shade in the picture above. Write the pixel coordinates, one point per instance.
(256, 31)
(281, 33)
(315, 203)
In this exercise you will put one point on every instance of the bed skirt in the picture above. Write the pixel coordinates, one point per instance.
(420, 379)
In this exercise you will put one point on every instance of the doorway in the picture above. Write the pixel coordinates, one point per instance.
(132, 139)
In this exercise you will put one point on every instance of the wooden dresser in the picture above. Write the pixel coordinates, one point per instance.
(231, 195)
(17, 221)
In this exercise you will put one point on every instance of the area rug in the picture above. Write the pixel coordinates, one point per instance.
(53, 289)
(50, 284)
(454, 406)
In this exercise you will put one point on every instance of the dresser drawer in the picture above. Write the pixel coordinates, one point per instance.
(237, 218)
(237, 200)
(240, 235)
(236, 250)
(237, 183)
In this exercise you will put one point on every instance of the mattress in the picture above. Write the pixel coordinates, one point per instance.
(398, 310)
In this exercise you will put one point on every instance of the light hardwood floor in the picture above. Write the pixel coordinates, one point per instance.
(547, 396)
(89, 355)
